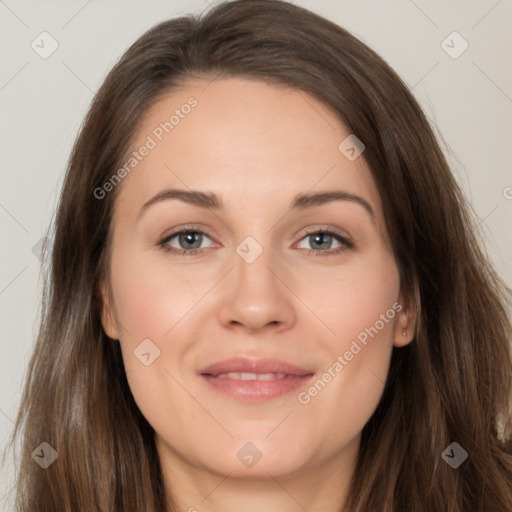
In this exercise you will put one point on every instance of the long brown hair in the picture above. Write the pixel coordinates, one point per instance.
(453, 383)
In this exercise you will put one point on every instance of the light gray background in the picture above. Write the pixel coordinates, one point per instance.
(43, 102)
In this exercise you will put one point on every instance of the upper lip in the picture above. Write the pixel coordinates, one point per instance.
(244, 364)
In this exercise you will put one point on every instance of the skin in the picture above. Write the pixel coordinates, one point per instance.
(256, 147)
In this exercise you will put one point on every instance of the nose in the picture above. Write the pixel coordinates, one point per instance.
(257, 296)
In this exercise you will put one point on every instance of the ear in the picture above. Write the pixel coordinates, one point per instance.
(406, 317)
(107, 312)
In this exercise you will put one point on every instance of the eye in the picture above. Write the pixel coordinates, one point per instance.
(321, 242)
(189, 242)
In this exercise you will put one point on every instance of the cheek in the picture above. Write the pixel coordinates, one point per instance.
(150, 297)
(360, 307)
(149, 304)
(354, 299)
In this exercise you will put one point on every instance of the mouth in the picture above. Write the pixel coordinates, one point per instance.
(255, 379)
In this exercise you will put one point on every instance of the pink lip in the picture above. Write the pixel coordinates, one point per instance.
(243, 364)
(292, 377)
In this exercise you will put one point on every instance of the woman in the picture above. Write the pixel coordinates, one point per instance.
(250, 371)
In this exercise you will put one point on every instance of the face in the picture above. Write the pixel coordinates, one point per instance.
(255, 294)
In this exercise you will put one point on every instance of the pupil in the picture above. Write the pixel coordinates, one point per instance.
(191, 238)
(320, 237)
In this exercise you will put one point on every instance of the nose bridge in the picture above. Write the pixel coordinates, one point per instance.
(257, 296)
(253, 264)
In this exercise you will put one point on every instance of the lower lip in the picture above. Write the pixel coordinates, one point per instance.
(256, 390)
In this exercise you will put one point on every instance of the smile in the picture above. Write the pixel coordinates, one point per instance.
(254, 380)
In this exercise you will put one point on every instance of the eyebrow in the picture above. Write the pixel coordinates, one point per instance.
(209, 200)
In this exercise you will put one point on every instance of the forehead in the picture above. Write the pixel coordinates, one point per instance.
(244, 140)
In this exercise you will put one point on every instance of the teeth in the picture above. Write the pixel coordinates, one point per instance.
(251, 376)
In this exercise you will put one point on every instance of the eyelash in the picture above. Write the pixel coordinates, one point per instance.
(346, 244)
